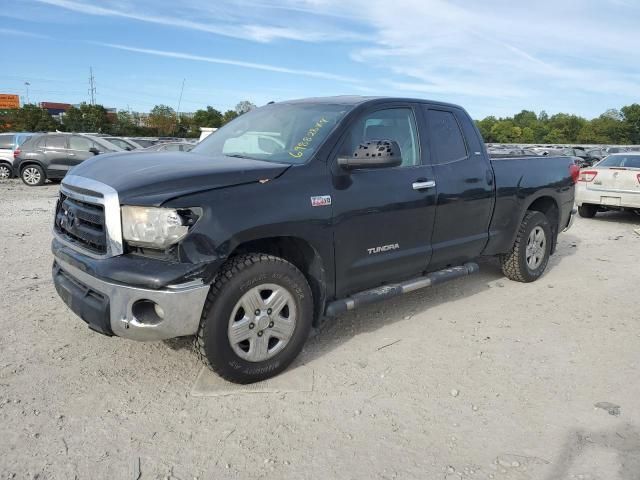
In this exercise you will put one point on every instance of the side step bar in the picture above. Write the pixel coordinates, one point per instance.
(393, 290)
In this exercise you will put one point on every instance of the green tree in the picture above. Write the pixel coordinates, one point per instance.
(244, 106)
(210, 117)
(163, 119)
(631, 119)
(228, 116)
(31, 118)
(485, 125)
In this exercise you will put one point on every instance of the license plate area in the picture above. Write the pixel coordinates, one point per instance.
(610, 201)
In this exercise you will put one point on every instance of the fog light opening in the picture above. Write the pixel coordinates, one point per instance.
(147, 312)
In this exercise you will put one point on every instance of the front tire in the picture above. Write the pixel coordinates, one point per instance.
(530, 253)
(256, 319)
(587, 211)
(33, 175)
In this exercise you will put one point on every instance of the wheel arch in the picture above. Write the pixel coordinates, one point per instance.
(547, 205)
(25, 163)
(302, 255)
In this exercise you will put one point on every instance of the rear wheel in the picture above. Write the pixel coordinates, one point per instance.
(256, 319)
(33, 175)
(530, 253)
(5, 171)
(587, 211)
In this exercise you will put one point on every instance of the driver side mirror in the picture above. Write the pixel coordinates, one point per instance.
(373, 154)
(94, 150)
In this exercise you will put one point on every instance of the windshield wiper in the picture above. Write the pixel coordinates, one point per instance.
(237, 155)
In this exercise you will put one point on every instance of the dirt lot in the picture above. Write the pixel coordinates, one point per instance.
(481, 378)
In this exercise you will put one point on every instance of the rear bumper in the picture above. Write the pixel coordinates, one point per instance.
(114, 309)
(607, 198)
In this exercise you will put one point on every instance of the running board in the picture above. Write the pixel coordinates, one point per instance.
(393, 290)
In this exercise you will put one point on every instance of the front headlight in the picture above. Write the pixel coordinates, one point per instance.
(154, 227)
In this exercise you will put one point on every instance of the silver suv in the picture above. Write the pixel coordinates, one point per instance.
(8, 143)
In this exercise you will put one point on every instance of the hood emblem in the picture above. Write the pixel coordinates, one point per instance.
(321, 201)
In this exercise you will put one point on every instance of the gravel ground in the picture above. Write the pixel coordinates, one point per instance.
(481, 378)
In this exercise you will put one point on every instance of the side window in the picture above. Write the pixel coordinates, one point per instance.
(6, 142)
(448, 141)
(392, 124)
(80, 143)
(56, 142)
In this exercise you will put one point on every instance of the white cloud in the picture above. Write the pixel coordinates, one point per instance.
(21, 33)
(225, 61)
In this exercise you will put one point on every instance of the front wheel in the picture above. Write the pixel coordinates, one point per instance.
(33, 175)
(529, 256)
(256, 319)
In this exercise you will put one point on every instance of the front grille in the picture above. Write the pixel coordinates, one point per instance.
(81, 223)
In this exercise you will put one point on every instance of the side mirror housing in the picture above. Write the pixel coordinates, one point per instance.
(94, 150)
(373, 154)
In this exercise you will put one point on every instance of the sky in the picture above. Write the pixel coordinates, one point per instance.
(494, 57)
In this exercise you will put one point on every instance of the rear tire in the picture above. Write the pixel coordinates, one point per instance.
(33, 175)
(587, 211)
(530, 253)
(239, 304)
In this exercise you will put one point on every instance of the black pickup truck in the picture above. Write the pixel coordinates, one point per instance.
(292, 213)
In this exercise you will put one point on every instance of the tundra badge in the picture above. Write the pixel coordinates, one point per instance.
(383, 248)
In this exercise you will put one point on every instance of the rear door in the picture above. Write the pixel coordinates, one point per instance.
(383, 218)
(56, 152)
(465, 187)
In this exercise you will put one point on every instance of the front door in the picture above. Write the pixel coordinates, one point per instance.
(79, 147)
(383, 218)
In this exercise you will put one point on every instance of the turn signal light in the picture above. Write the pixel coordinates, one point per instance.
(574, 170)
(587, 176)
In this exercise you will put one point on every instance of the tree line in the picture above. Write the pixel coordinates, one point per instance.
(162, 120)
(612, 127)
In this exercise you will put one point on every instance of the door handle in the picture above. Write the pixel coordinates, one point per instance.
(422, 184)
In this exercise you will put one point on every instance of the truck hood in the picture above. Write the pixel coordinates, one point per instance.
(153, 178)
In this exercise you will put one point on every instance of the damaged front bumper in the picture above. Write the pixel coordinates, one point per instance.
(136, 313)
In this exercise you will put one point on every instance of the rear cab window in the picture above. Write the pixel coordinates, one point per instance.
(449, 142)
(56, 142)
(621, 161)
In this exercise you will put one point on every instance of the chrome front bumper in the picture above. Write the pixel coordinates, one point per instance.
(118, 306)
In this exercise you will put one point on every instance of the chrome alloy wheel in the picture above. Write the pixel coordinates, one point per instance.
(262, 322)
(536, 247)
(31, 176)
(5, 172)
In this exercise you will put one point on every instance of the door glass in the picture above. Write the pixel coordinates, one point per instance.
(80, 143)
(57, 142)
(392, 124)
(449, 143)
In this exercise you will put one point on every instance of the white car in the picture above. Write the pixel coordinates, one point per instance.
(611, 184)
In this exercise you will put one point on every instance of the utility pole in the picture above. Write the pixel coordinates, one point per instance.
(179, 102)
(26, 86)
(92, 86)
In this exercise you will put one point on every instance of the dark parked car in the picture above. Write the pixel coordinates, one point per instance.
(170, 147)
(124, 143)
(586, 158)
(294, 212)
(51, 155)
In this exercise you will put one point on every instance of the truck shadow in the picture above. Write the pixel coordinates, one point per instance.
(583, 449)
(615, 217)
(335, 331)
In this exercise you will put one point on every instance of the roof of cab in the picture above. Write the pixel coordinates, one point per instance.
(357, 100)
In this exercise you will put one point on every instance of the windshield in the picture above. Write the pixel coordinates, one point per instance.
(629, 161)
(284, 133)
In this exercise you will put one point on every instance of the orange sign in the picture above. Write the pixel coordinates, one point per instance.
(9, 101)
